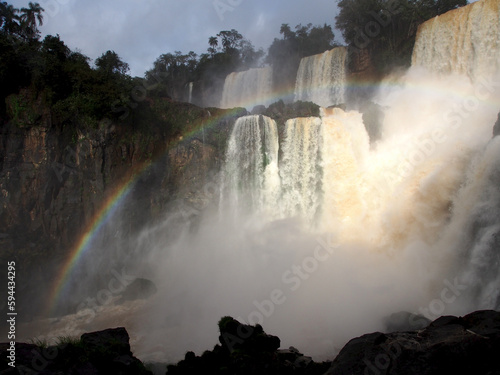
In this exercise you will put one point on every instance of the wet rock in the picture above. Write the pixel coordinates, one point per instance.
(496, 127)
(96, 353)
(138, 289)
(449, 345)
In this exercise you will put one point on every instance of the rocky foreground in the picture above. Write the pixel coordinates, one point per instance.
(448, 345)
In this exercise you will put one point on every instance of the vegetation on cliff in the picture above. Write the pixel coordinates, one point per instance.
(387, 28)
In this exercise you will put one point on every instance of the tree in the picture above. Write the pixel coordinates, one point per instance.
(387, 28)
(285, 54)
(9, 19)
(29, 18)
(213, 43)
(110, 63)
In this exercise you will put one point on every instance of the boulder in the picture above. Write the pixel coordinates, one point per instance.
(138, 289)
(449, 345)
(96, 353)
(496, 127)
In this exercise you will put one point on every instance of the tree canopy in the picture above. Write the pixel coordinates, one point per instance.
(387, 28)
(285, 54)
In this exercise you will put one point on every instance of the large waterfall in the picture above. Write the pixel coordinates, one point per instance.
(321, 78)
(318, 235)
(463, 41)
(251, 173)
(247, 88)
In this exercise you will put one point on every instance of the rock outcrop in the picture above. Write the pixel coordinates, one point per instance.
(104, 352)
(54, 178)
(246, 349)
(449, 345)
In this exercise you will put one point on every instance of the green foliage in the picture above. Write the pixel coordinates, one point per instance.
(21, 23)
(110, 63)
(285, 54)
(228, 51)
(225, 322)
(63, 341)
(387, 28)
(41, 343)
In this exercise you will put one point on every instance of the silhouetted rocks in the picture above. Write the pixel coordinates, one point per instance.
(449, 345)
(373, 118)
(496, 127)
(104, 352)
(138, 289)
(246, 349)
(281, 112)
(405, 321)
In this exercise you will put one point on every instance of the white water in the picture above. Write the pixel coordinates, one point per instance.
(248, 88)
(300, 169)
(190, 92)
(464, 41)
(250, 178)
(321, 78)
(345, 233)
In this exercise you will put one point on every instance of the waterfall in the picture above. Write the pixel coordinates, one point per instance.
(463, 41)
(319, 235)
(321, 78)
(300, 169)
(248, 88)
(250, 181)
(190, 92)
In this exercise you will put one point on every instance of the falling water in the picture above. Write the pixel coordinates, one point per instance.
(321, 78)
(190, 92)
(300, 169)
(251, 171)
(248, 88)
(387, 226)
(464, 41)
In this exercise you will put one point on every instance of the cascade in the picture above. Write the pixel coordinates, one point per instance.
(251, 180)
(402, 219)
(247, 88)
(462, 41)
(300, 168)
(190, 92)
(321, 78)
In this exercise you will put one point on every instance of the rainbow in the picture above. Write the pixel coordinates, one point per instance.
(119, 195)
(102, 216)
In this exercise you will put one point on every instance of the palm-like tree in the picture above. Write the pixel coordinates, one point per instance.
(9, 18)
(29, 18)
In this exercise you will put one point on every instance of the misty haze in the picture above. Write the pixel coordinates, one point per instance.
(309, 183)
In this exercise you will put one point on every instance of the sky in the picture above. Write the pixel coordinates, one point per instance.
(141, 30)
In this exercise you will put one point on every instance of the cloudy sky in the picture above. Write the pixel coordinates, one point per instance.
(141, 30)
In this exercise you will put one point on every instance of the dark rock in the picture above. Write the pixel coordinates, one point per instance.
(116, 339)
(373, 119)
(258, 110)
(97, 353)
(281, 112)
(496, 127)
(449, 345)
(138, 289)
(405, 321)
(247, 349)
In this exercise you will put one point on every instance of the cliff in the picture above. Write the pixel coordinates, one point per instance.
(55, 176)
(461, 41)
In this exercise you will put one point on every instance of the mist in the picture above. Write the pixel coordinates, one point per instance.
(407, 223)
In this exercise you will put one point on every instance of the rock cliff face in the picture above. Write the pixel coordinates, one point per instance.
(54, 178)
